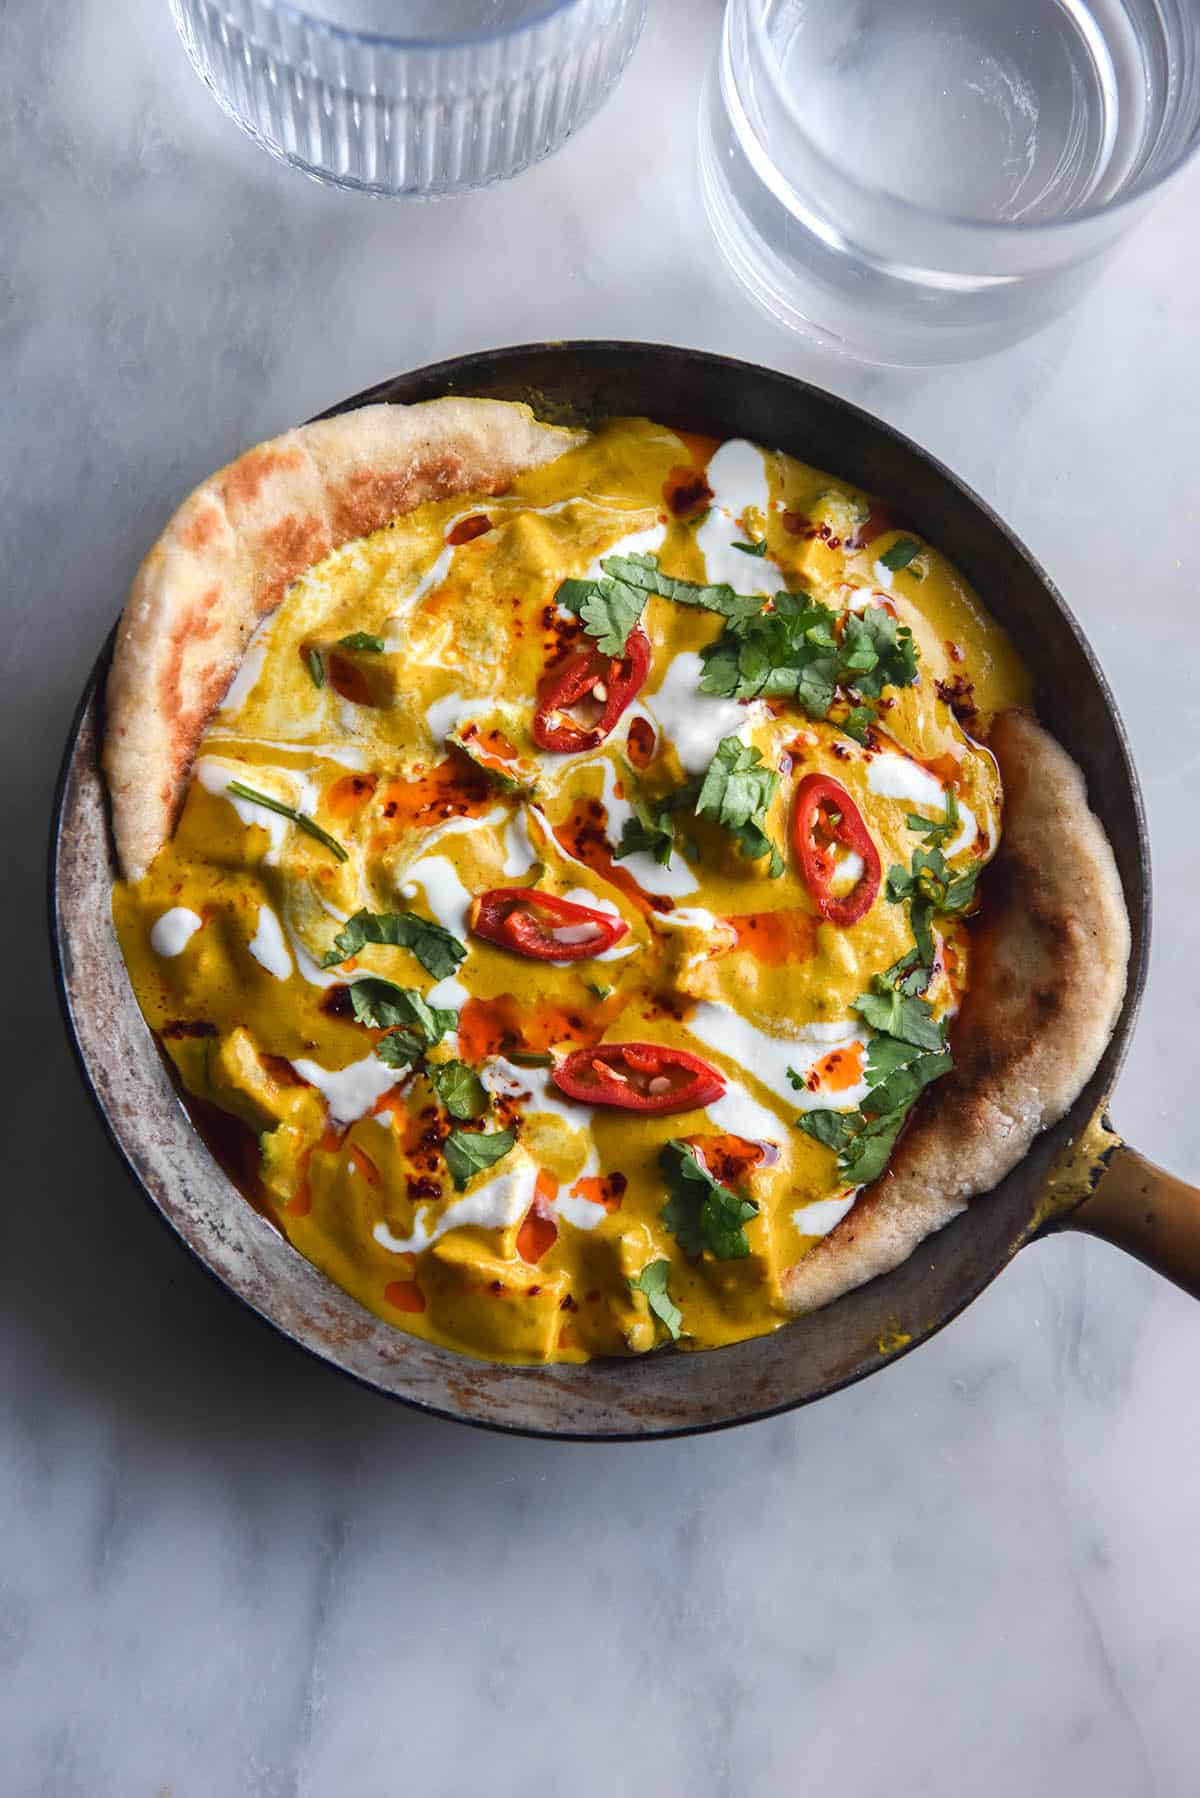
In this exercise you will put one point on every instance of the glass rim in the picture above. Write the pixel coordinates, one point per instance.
(350, 34)
(1137, 189)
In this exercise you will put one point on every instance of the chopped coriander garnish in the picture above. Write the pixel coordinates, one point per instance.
(608, 608)
(600, 992)
(438, 952)
(643, 572)
(930, 888)
(363, 640)
(652, 1284)
(908, 1053)
(938, 831)
(901, 553)
(803, 650)
(413, 1025)
(858, 721)
(468, 1152)
(458, 1088)
(493, 768)
(526, 1058)
(752, 549)
(701, 1213)
(737, 792)
(238, 790)
(316, 667)
(651, 830)
(894, 1013)
(385, 1006)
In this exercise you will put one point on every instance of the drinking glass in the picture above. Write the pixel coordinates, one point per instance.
(472, 91)
(923, 180)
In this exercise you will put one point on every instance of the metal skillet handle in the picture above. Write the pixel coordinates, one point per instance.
(1102, 1186)
(1148, 1213)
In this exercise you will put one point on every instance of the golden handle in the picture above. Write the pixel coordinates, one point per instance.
(1148, 1213)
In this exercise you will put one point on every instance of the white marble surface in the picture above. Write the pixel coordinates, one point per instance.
(225, 1571)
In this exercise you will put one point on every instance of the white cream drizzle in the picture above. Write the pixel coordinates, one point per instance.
(893, 775)
(674, 881)
(300, 791)
(737, 474)
(173, 932)
(768, 1058)
(693, 721)
(496, 1205)
(349, 1092)
(519, 852)
(503, 1079)
(249, 668)
(268, 945)
(347, 757)
(819, 1217)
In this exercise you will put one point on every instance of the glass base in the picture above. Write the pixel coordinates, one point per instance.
(399, 119)
(825, 293)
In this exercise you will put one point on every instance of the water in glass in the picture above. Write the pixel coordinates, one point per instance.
(927, 178)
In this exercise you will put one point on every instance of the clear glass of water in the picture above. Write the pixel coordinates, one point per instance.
(410, 97)
(924, 180)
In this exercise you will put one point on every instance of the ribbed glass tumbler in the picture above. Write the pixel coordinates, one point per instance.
(419, 115)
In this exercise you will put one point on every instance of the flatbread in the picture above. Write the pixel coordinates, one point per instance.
(1047, 979)
(234, 546)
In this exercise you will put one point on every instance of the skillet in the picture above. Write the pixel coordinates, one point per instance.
(1078, 1175)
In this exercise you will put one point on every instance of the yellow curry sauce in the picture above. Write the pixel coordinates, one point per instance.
(541, 1256)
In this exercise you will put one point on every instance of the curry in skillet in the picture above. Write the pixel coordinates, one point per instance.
(571, 901)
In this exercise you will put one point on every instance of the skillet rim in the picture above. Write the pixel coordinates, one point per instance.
(454, 374)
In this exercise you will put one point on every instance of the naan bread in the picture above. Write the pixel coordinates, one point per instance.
(1046, 983)
(234, 546)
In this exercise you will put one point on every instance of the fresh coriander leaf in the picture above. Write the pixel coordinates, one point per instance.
(237, 790)
(867, 1154)
(885, 1054)
(363, 640)
(904, 1084)
(752, 549)
(601, 992)
(901, 553)
(608, 609)
(960, 889)
(701, 1213)
(438, 952)
(458, 1088)
(938, 831)
(651, 829)
(863, 1140)
(828, 1127)
(644, 572)
(920, 916)
(385, 1006)
(399, 1049)
(888, 1010)
(737, 792)
(652, 1284)
(858, 721)
(316, 667)
(908, 974)
(508, 783)
(795, 651)
(736, 787)
(468, 1152)
(754, 843)
(876, 652)
(681, 1216)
